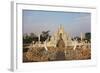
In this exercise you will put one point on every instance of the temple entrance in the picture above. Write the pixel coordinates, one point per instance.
(60, 43)
(60, 55)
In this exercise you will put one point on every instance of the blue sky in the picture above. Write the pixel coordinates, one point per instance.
(74, 22)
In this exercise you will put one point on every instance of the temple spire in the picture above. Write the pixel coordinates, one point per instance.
(61, 29)
(60, 26)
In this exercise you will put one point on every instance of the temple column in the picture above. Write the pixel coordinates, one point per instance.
(81, 36)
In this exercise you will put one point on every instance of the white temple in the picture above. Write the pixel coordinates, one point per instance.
(55, 37)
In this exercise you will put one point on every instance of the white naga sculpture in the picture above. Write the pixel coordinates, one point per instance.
(75, 44)
(45, 46)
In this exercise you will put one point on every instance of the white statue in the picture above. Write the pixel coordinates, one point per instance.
(45, 46)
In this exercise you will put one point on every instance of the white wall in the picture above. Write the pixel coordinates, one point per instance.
(5, 35)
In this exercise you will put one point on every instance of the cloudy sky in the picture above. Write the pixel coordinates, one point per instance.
(73, 22)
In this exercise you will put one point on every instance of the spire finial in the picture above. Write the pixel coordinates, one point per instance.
(60, 26)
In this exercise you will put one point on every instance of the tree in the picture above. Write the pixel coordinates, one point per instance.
(44, 36)
(88, 36)
(77, 38)
(34, 37)
(27, 39)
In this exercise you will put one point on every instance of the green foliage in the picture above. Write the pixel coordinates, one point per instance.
(33, 37)
(44, 36)
(27, 39)
(88, 36)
